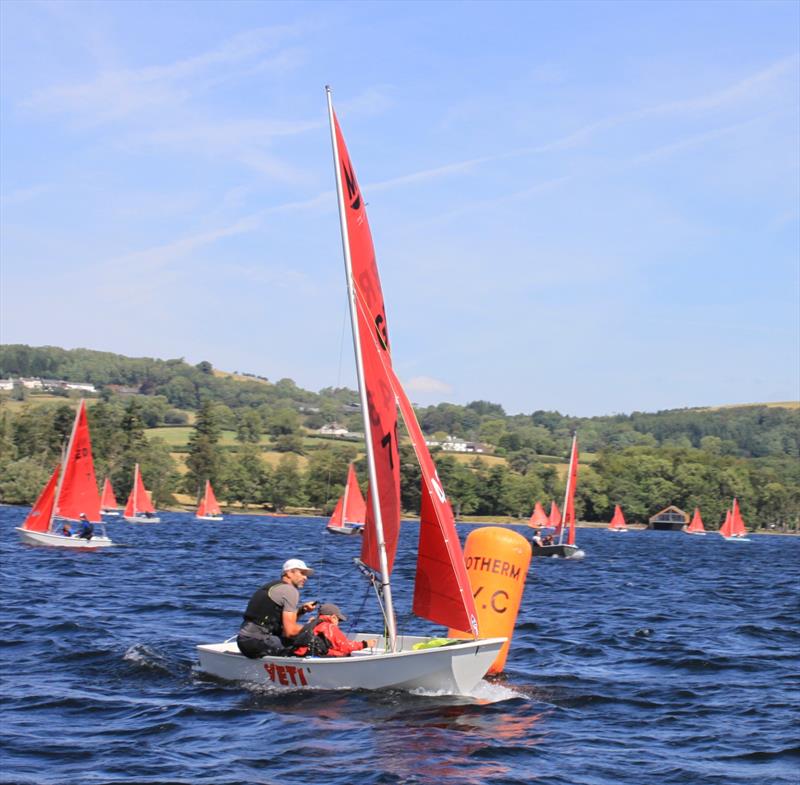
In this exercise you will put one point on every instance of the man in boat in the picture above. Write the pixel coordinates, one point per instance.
(87, 530)
(338, 644)
(270, 619)
(537, 538)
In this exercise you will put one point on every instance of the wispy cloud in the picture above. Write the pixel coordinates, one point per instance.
(24, 195)
(427, 384)
(114, 94)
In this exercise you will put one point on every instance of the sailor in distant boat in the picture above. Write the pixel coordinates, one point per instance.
(270, 619)
(537, 538)
(66, 530)
(87, 530)
(337, 644)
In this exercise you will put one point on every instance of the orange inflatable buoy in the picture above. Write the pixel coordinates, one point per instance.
(497, 564)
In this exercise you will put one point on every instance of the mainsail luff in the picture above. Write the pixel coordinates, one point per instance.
(375, 489)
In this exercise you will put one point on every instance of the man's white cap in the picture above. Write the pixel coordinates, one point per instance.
(297, 564)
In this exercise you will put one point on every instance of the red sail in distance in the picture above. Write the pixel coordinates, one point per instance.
(107, 500)
(737, 524)
(351, 507)
(697, 522)
(539, 517)
(555, 516)
(618, 521)
(569, 502)
(725, 529)
(41, 513)
(442, 592)
(373, 338)
(208, 504)
(77, 491)
(138, 501)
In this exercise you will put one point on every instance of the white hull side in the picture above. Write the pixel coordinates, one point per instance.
(208, 517)
(696, 534)
(736, 539)
(616, 530)
(141, 519)
(344, 529)
(110, 513)
(454, 669)
(54, 540)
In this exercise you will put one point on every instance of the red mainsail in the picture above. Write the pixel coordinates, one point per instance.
(77, 491)
(737, 524)
(555, 515)
(569, 498)
(351, 507)
(539, 517)
(725, 529)
(373, 339)
(618, 521)
(41, 513)
(108, 501)
(697, 522)
(138, 501)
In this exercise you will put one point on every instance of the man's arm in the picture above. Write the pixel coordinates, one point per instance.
(290, 624)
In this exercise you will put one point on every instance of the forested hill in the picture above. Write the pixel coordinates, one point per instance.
(756, 430)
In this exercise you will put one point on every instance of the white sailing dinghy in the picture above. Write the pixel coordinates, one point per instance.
(208, 509)
(733, 530)
(350, 513)
(618, 521)
(139, 508)
(108, 501)
(696, 526)
(70, 492)
(442, 591)
(568, 549)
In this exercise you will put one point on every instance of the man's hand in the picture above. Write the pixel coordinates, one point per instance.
(308, 606)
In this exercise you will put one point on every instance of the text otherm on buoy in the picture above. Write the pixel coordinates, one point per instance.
(497, 564)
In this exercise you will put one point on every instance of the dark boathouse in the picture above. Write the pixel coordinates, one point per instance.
(669, 519)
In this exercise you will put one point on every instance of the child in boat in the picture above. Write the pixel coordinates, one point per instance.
(66, 530)
(328, 627)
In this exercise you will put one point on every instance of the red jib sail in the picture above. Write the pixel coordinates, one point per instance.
(539, 517)
(697, 522)
(351, 507)
(569, 500)
(208, 504)
(77, 491)
(737, 524)
(138, 501)
(41, 513)
(442, 590)
(373, 338)
(618, 521)
(107, 499)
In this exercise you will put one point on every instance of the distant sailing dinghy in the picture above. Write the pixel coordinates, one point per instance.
(733, 530)
(108, 501)
(538, 519)
(208, 509)
(696, 526)
(568, 549)
(70, 492)
(350, 513)
(442, 592)
(139, 508)
(618, 521)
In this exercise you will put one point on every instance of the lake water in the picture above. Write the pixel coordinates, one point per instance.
(660, 658)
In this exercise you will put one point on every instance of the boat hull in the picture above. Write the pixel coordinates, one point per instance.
(454, 669)
(557, 551)
(54, 540)
(208, 517)
(696, 534)
(110, 513)
(736, 539)
(344, 529)
(142, 519)
(617, 530)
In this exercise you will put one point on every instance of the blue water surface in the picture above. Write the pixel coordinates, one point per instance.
(659, 658)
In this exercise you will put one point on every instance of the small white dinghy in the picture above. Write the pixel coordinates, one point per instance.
(139, 508)
(455, 668)
(442, 592)
(208, 509)
(351, 509)
(70, 493)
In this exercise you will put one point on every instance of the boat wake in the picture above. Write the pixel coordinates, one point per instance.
(143, 656)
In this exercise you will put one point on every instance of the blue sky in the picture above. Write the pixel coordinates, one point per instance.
(589, 207)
